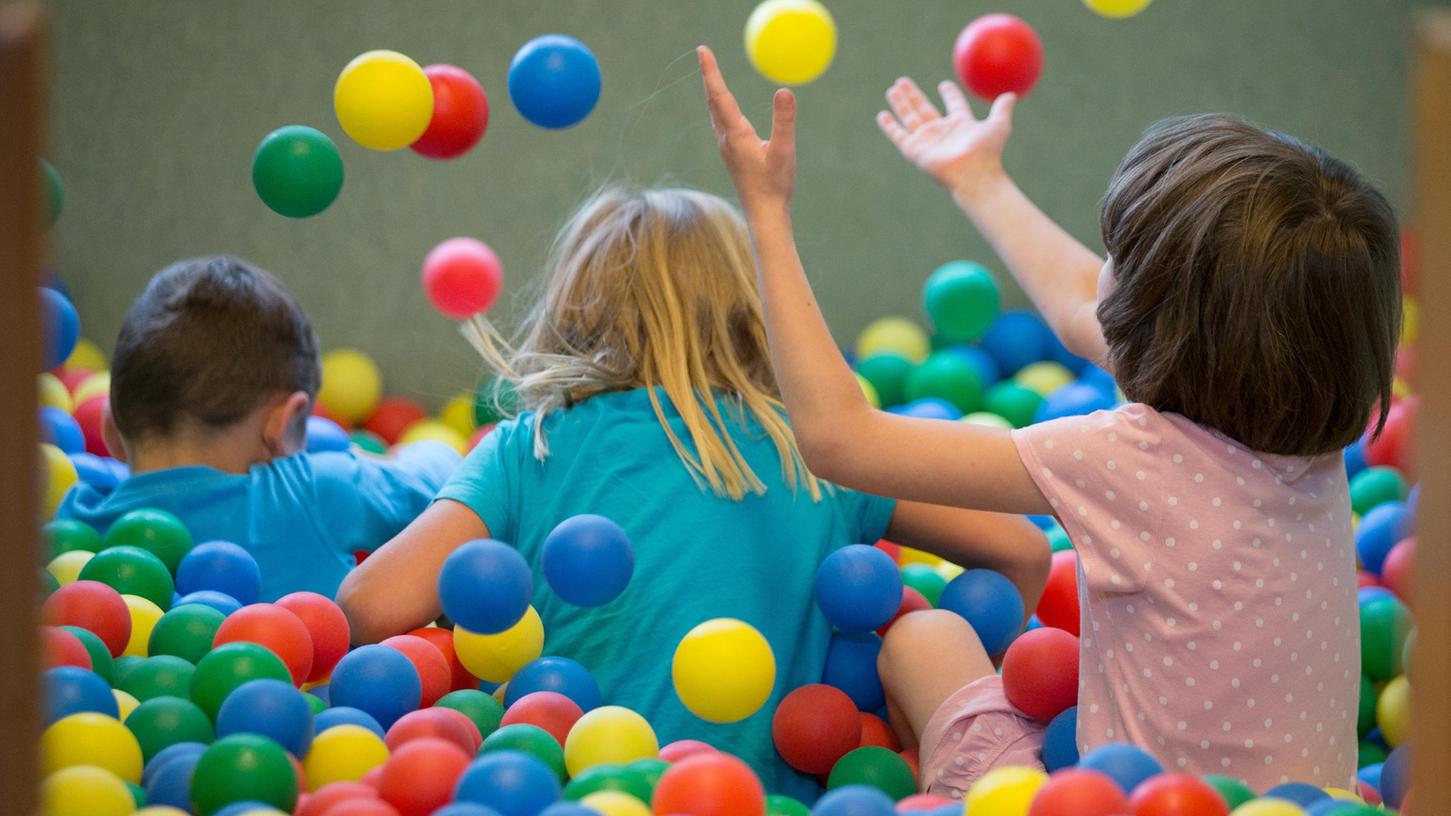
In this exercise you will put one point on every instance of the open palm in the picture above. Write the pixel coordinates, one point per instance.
(957, 149)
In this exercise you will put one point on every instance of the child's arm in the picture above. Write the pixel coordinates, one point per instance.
(396, 589)
(974, 539)
(841, 437)
(965, 155)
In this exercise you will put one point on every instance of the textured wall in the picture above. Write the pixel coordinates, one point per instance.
(158, 105)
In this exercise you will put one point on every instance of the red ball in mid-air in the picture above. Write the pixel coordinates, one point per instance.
(997, 54)
(1058, 606)
(1176, 794)
(327, 625)
(274, 628)
(713, 784)
(814, 726)
(1040, 672)
(462, 277)
(460, 113)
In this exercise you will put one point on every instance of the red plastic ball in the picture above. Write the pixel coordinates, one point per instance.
(680, 749)
(912, 601)
(923, 801)
(1176, 794)
(1393, 447)
(298, 772)
(549, 710)
(432, 666)
(332, 793)
(710, 785)
(1368, 793)
(1406, 364)
(462, 277)
(392, 417)
(814, 726)
(476, 737)
(274, 628)
(1040, 672)
(875, 731)
(72, 378)
(1058, 607)
(1365, 579)
(362, 807)
(893, 551)
(61, 648)
(997, 54)
(326, 624)
(430, 723)
(419, 777)
(320, 410)
(1399, 568)
(913, 758)
(1074, 792)
(460, 113)
(93, 606)
(442, 639)
(91, 415)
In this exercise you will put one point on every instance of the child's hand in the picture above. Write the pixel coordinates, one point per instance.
(958, 150)
(764, 172)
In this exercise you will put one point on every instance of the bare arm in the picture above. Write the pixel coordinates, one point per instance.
(396, 589)
(964, 154)
(974, 539)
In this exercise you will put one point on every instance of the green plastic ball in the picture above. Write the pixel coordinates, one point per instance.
(494, 400)
(1058, 538)
(947, 375)
(1384, 624)
(887, 374)
(1408, 650)
(925, 580)
(1016, 403)
(122, 667)
(606, 778)
(781, 805)
(880, 768)
(229, 666)
(48, 584)
(297, 171)
(164, 721)
(138, 794)
(65, 535)
(158, 676)
(1376, 485)
(530, 739)
(650, 770)
(131, 571)
(1235, 792)
(1365, 715)
(483, 709)
(54, 193)
(961, 299)
(156, 531)
(314, 702)
(186, 632)
(369, 441)
(1371, 753)
(101, 661)
(243, 768)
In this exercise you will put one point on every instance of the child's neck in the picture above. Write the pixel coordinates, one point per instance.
(231, 451)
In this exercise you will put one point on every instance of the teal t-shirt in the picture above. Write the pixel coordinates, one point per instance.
(698, 556)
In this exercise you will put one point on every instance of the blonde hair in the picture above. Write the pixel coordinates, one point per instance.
(646, 290)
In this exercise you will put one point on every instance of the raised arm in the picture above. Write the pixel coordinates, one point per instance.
(842, 438)
(964, 154)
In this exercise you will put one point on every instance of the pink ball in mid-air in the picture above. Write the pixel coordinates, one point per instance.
(997, 54)
(462, 277)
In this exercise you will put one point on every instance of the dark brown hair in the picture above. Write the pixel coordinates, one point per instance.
(1257, 285)
(208, 342)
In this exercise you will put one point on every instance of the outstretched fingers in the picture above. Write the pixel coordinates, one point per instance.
(892, 128)
(783, 123)
(725, 113)
(910, 104)
(953, 99)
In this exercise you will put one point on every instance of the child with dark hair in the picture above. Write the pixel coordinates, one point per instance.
(1249, 308)
(213, 378)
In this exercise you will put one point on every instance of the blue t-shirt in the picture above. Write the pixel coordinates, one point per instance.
(698, 556)
(301, 517)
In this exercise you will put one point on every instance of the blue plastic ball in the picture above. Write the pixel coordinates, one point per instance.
(1413, 500)
(170, 782)
(988, 601)
(272, 708)
(1395, 776)
(511, 782)
(485, 586)
(325, 435)
(223, 567)
(377, 680)
(1370, 774)
(858, 588)
(320, 692)
(1125, 764)
(61, 429)
(1355, 458)
(1060, 741)
(851, 665)
(61, 325)
(345, 715)
(1059, 353)
(243, 808)
(169, 753)
(1074, 399)
(554, 81)
(1098, 378)
(1335, 807)
(587, 560)
(928, 408)
(220, 601)
(71, 689)
(1043, 522)
(471, 809)
(987, 367)
(1381, 528)
(95, 470)
(856, 800)
(558, 674)
(1297, 792)
(1017, 339)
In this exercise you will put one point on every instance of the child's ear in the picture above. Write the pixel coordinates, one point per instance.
(284, 432)
(112, 435)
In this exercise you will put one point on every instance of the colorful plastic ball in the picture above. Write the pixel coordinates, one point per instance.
(557, 674)
(383, 100)
(608, 735)
(1392, 447)
(70, 689)
(243, 767)
(378, 680)
(170, 782)
(1074, 399)
(431, 430)
(851, 665)
(712, 784)
(319, 802)
(912, 601)
(54, 192)
(162, 722)
(326, 625)
(270, 708)
(587, 560)
(614, 803)
(1395, 776)
(482, 710)
(997, 54)
(790, 42)
(1117, 9)
(1080, 793)
(1397, 570)
(471, 809)
(537, 743)
(1374, 486)
(1058, 606)
(334, 716)
(680, 749)
(724, 669)
(85, 790)
(186, 631)
(131, 571)
(90, 415)
(61, 325)
(462, 277)
(392, 417)
(511, 782)
(297, 171)
(485, 586)
(170, 752)
(343, 753)
(59, 477)
(435, 723)
(220, 566)
(554, 81)
(925, 580)
(158, 676)
(961, 300)
(442, 640)
(419, 777)
(494, 401)
(1300, 793)
(929, 408)
(432, 668)
(93, 606)
(277, 629)
(858, 588)
(1233, 791)
(89, 738)
(1044, 378)
(893, 335)
(144, 616)
(1393, 712)
(1381, 528)
(1060, 741)
(351, 384)
(874, 766)
(90, 384)
(1040, 672)
(52, 393)
(460, 113)
(856, 800)
(1177, 794)
(1125, 764)
(496, 658)
(324, 435)
(988, 601)
(59, 428)
(886, 372)
(156, 531)
(1384, 624)
(61, 648)
(814, 726)
(549, 710)
(100, 655)
(227, 667)
(220, 601)
(949, 376)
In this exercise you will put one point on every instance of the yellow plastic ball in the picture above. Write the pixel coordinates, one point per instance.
(1393, 711)
(125, 703)
(1343, 795)
(89, 738)
(66, 567)
(1117, 9)
(497, 657)
(96, 385)
(160, 810)
(85, 790)
(615, 803)
(1410, 320)
(912, 556)
(87, 355)
(383, 100)
(144, 615)
(608, 735)
(351, 384)
(1044, 378)
(343, 753)
(897, 335)
(791, 42)
(723, 670)
(501, 692)
(988, 420)
(435, 430)
(869, 391)
(1268, 807)
(1007, 791)
(949, 570)
(53, 393)
(59, 475)
(458, 414)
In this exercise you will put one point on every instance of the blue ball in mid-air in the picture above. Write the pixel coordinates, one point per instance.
(485, 586)
(587, 560)
(554, 81)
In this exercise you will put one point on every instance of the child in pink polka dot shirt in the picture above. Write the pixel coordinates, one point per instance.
(1248, 309)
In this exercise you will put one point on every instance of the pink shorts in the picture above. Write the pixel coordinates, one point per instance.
(972, 732)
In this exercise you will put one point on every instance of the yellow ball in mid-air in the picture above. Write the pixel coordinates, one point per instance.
(1117, 9)
(791, 42)
(723, 670)
(608, 735)
(351, 384)
(383, 100)
(496, 658)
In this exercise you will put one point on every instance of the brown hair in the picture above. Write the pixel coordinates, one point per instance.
(208, 341)
(1256, 285)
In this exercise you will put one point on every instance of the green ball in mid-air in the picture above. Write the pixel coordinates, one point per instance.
(186, 632)
(961, 299)
(243, 768)
(131, 571)
(156, 531)
(297, 171)
(54, 192)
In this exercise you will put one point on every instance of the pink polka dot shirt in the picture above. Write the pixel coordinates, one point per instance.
(1220, 629)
